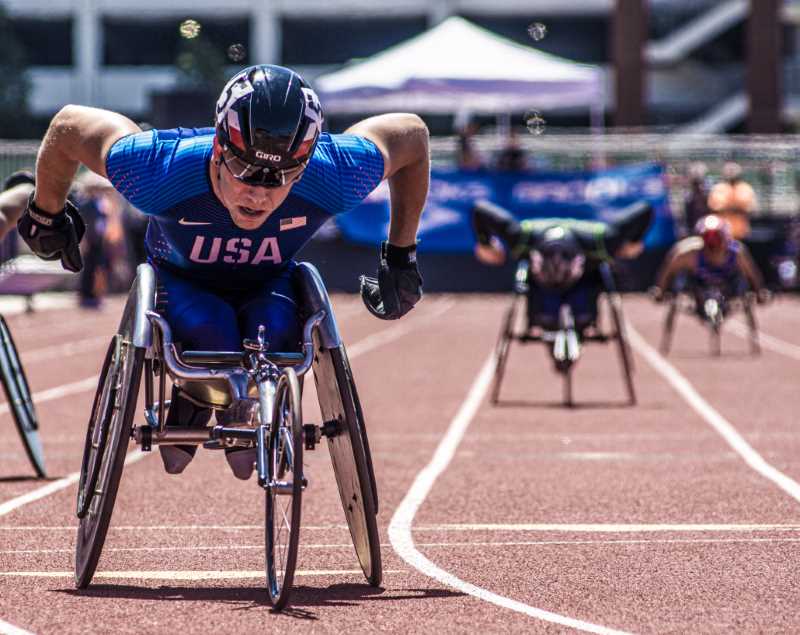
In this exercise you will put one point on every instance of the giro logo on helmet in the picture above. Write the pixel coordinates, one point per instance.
(269, 157)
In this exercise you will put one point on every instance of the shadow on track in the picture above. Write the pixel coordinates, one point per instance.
(248, 598)
(559, 405)
(23, 479)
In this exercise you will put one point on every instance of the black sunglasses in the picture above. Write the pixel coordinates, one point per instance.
(252, 174)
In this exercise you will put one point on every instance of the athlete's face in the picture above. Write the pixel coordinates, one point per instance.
(249, 205)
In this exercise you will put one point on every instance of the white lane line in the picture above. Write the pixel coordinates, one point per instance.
(712, 417)
(182, 575)
(165, 527)
(400, 526)
(603, 528)
(767, 341)
(15, 503)
(90, 383)
(68, 348)
(388, 335)
(466, 544)
(10, 629)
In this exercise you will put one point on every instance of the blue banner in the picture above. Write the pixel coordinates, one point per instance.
(445, 224)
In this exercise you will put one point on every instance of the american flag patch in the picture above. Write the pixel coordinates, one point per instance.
(292, 223)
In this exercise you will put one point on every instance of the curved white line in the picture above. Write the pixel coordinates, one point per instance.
(10, 629)
(723, 427)
(400, 525)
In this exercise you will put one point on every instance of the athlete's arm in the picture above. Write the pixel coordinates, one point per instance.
(624, 236)
(76, 135)
(12, 204)
(749, 269)
(682, 257)
(402, 139)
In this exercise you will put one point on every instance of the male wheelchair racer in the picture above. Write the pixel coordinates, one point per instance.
(573, 320)
(710, 275)
(563, 266)
(143, 348)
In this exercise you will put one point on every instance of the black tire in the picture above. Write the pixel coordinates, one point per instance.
(18, 394)
(568, 398)
(715, 338)
(625, 356)
(669, 326)
(97, 432)
(282, 521)
(124, 372)
(502, 350)
(752, 325)
(349, 456)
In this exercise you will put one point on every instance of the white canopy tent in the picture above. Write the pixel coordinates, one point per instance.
(457, 66)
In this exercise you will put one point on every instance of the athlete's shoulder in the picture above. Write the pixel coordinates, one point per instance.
(157, 168)
(342, 172)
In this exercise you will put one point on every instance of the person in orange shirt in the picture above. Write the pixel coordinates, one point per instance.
(734, 200)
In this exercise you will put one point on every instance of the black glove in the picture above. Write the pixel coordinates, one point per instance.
(398, 286)
(53, 237)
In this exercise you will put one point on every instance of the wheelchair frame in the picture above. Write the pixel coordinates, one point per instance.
(214, 379)
(717, 306)
(564, 344)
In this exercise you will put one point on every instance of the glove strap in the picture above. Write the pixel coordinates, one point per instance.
(42, 217)
(399, 256)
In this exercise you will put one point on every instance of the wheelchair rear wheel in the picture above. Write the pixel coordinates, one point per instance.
(752, 326)
(20, 403)
(502, 349)
(624, 347)
(104, 455)
(350, 455)
(669, 326)
(285, 490)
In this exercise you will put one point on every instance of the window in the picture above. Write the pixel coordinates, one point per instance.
(131, 42)
(45, 42)
(338, 40)
(582, 39)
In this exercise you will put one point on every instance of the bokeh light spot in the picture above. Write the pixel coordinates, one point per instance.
(535, 122)
(190, 29)
(537, 31)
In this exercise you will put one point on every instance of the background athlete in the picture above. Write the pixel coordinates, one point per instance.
(712, 257)
(230, 206)
(564, 254)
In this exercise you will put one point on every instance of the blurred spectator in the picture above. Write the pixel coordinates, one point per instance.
(468, 156)
(696, 203)
(102, 246)
(512, 157)
(733, 199)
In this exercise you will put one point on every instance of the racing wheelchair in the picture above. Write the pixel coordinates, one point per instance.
(20, 402)
(712, 303)
(564, 343)
(143, 350)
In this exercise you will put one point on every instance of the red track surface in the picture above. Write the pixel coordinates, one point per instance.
(661, 491)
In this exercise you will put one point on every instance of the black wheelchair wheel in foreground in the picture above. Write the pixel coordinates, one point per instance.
(502, 349)
(19, 398)
(285, 490)
(625, 356)
(350, 455)
(112, 419)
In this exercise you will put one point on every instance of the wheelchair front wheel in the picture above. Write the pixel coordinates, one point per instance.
(19, 398)
(669, 326)
(104, 455)
(284, 490)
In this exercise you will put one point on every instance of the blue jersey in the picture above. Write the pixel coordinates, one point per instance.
(165, 174)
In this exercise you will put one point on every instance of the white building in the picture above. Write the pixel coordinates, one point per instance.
(113, 53)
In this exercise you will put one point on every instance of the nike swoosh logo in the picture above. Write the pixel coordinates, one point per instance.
(183, 221)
